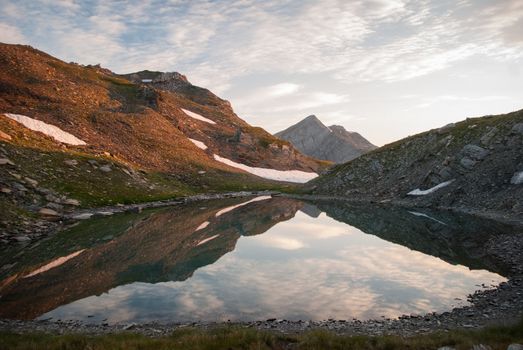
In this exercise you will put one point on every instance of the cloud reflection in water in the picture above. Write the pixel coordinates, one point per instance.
(304, 268)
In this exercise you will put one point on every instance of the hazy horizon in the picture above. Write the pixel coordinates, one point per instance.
(384, 68)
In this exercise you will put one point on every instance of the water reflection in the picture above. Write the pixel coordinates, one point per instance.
(313, 261)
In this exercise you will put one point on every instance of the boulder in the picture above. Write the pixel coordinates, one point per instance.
(105, 168)
(6, 161)
(517, 129)
(70, 201)
(467, 163)
(71, 162)
(48, 212)
(474, 152)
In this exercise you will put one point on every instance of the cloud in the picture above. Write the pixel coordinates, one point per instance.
(11, 35)
(283, 89)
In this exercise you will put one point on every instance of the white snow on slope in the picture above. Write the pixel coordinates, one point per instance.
(272, 174)
(48, 129)
(207, 240)
(198, 144)
(517, 179)
(415, 213)
(418, 192)
(197, 116)
(57, 262)
(202, 226)
(232, 207)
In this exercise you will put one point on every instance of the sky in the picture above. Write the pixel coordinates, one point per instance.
(385, 68)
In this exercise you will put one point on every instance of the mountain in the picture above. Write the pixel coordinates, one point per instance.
(474, 164)
(333, 143)
(82, 135)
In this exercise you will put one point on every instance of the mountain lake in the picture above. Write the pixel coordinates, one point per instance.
(243, 259)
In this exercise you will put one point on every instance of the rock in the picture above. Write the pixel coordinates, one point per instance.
(54, 206)
(22, 238)
(446, 128)
(481, 347)
(105, 168)
(18, 186)
(5, 190)
(48, 212)
(70, 201)
(487, 137)
(5, 136)
(517, 179)
(92, 162)
(515, 346)
(107, 238)
(83, 216)
(446, 348)
(467, 163)
(6, 161)
(71, 162)
(104, 213)
(201, 172)
(31, 182)
(517, 128)
(474, 152)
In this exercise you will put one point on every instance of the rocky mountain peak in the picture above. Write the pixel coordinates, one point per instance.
(334, 143)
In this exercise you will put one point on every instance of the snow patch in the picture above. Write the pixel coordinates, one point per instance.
(202, 226)
(198, 144)
(271, 174)
(418, 192)
(517, 179)
(228, 209)
(48, 129)
(415, 213)
(197, 116)
(57, 262)
(207, 240)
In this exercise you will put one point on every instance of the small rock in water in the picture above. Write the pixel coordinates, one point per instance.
(481, 347)
(446, 348)
(105, 168)
(515, 346)
(5, 190)
(107, 238)
(22, 238)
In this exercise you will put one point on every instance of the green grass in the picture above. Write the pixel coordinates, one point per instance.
(234, 337)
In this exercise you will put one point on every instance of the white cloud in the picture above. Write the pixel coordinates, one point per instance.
(11, 35)
(283, 89)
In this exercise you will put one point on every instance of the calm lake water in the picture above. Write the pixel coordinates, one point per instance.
(251, 259)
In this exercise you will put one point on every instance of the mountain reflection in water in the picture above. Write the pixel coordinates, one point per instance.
(303, 261)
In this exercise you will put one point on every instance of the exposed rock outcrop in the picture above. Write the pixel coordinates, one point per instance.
(333, 143)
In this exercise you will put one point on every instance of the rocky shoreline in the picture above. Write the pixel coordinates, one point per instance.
(49, 224)
(502, 305)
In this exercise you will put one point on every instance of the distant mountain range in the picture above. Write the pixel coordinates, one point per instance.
(334, 143)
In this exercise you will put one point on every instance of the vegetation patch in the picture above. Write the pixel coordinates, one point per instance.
(234, 337)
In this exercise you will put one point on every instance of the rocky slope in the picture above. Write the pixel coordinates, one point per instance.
(333, 143)
(92, 137)
(473, 164)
